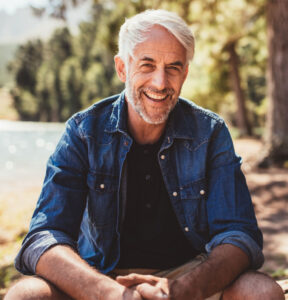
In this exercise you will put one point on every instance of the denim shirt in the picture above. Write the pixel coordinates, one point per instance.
(82, 202)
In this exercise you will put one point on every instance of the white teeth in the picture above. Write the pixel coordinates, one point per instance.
(155, 96)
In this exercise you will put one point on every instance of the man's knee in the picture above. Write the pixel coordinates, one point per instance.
(34, 288)
(254, 285)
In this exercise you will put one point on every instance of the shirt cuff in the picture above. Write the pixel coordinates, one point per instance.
(36, 245)
(242, 241)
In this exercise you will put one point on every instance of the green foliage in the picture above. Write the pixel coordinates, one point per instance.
(58, 78)
(279, 274)
(70, 86)
(26, 104)
(27, 60)
(7, 274)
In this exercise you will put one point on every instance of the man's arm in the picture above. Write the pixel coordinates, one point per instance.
(63, 267)
(225, 263)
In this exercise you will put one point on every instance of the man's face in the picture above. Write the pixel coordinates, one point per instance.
(155, 76)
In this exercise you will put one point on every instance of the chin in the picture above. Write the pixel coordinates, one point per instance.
(156, 120)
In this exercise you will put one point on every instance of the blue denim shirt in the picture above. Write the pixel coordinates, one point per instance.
(82, 202)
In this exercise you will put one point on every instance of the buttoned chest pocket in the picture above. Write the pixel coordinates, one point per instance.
(102, 198)
(193, 199)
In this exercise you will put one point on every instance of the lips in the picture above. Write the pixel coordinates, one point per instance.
(155, 96)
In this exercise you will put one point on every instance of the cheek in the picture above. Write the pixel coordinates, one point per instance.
(139, 79)
(177, 84)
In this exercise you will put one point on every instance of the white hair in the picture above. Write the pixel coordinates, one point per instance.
(132, 32)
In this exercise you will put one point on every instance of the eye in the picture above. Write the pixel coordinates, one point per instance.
(173, 70)
(147, 67)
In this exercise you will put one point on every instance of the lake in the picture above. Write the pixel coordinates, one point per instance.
(24, 150)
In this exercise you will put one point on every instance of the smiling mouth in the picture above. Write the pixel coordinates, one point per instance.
(156, 97)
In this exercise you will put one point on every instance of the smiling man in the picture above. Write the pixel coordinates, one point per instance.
(144, 197)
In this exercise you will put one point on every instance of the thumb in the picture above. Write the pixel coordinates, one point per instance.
(151, 292)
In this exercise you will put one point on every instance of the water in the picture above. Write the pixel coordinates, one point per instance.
(24, 150)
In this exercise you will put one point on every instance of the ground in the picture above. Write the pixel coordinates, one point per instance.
(269, 189)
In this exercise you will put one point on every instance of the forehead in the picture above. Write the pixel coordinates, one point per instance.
(160, 44)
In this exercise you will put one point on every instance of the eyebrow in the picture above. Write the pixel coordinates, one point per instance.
(146, 58)
(175, 63)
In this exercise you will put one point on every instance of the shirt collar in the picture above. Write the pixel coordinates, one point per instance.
(179, 124)
(118, 117)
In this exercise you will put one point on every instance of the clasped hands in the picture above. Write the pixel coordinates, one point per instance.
(148, 286)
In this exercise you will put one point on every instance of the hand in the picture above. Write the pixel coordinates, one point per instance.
(148, 286)
(111, 290)
(130, 294)
(156, 288)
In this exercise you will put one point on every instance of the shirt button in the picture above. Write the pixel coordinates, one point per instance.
(102, 186)
(147, 177)
(162, 156)
(175, 194)
(186, 229)
(148, 205)
(202, 192)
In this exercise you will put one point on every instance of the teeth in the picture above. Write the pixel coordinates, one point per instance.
(155, 96)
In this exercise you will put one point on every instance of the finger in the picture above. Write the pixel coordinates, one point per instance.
(133, 279)
(151, 292)
(164, 285)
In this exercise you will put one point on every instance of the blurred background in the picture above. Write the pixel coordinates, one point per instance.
(56, 58)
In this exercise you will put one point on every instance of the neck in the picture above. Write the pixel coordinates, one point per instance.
(143, 132)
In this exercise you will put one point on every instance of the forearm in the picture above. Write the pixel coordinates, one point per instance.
(70, 273)
(224, 264)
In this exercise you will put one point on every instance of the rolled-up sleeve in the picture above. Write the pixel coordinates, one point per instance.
(36, 245)
(230, 211)
(242, 241)
(59, 211)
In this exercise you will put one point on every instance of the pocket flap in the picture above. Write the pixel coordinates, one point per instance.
(101, 182)
(195, 189)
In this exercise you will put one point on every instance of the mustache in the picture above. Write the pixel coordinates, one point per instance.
(166, 91)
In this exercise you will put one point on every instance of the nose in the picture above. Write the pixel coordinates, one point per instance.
(159, 79)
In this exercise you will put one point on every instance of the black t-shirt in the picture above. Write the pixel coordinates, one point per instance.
(151, 236)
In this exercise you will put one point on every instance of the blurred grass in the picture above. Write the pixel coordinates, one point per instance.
(16, 207)
(257, 132)
(8, 274)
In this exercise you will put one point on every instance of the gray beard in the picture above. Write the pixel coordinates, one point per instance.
(136, 103)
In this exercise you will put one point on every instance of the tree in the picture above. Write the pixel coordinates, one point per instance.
(28, 59)
(241, 119)
(277, 124)
(57, 78)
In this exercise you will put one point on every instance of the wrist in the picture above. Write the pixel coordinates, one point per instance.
(107, 288)
(183, 289)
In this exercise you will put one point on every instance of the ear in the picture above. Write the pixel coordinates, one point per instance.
(120, 68)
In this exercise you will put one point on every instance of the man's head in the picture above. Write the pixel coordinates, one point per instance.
(154, 49)
(135, 29)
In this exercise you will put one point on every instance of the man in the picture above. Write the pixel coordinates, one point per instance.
(145, 182)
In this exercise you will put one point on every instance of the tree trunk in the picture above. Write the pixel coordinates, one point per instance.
(277, 115)
(241, 117)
